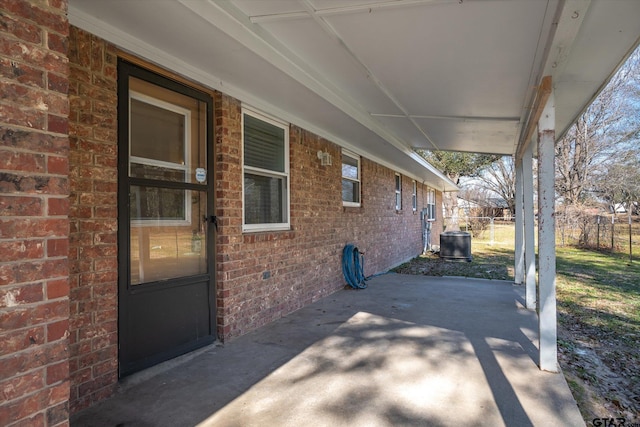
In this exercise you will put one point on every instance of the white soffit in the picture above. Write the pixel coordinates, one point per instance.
(382, 77)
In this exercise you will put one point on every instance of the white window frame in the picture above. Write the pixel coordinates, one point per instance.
(414, 195)
(355, 157)
(398, 191)
(185, 167)
(431, 204)
(265, 172)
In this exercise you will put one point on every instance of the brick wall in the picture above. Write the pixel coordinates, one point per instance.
(264, 276)
(34, 229)
(93, 358)
(58, 217)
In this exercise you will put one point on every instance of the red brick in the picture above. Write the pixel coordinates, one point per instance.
(57, 288)
(105, 212)
(33, 227)
(58, 414)
(21, 340)
(57, 43)
(58, 206)
(21, 30)
(37, 420)
(32, 271)
(101, 225)
(57, 83)
(17, 183)
(105, 368)
(98, 199)
(105, 264)
(27, 97)
(58, 372)
(22, 316)
(22, 73)
(58, 165)
(22, 408)
(57, 330)
(34, 357)
(101, 251)
(59, 4)
(22, 385)
(57, 247)
(105, 187)
(25, 162)
(80, 212)
(93, 210)
(16, 295)
(29, 140)
(58, 393)
(20, 206)
(16, 250)
(57, 124)
(32, 12)
(17, 116)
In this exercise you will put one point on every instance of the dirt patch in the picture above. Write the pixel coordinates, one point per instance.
(602, 371)
(430, 264)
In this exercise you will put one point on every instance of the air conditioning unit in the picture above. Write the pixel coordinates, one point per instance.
(455, 246)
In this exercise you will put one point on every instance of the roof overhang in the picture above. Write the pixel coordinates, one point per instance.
(380, 77)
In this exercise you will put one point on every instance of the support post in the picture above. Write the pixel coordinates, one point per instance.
(529, 228)
(519, 243)
(547, 320)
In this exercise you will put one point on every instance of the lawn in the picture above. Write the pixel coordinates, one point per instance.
(598, 320)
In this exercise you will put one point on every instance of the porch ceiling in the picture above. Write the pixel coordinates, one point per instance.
(384, 77)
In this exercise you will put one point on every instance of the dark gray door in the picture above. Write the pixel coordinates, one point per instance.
(166, 289)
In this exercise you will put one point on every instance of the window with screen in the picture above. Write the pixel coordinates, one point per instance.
(266, 173)
(431, 205)
(350, 179)
(414, 196)
(398, 192)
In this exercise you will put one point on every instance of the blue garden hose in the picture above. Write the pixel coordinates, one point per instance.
(353, 267)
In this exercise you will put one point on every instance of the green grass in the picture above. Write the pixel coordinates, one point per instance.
(603, 289)
(598, 297)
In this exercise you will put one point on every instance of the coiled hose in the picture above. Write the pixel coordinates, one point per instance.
(353, 267)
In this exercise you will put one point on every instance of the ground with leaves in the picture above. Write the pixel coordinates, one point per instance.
(598, 316)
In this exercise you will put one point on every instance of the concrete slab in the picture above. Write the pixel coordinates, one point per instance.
(406, 351)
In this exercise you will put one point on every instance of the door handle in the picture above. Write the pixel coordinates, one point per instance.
(212, 219)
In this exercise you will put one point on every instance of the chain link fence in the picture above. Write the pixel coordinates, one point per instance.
(618, 234)
(489, 230)
(614, 233)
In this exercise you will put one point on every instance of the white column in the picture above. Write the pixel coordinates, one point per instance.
(529, 228)
(519, 249)
(547, 320)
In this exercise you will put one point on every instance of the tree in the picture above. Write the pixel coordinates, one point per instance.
(499, 177)
(620, 185)
(588, 149)
(456, 165)
(588, 158)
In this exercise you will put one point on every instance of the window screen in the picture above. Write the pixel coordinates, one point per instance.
(266, 174)
(350, 179)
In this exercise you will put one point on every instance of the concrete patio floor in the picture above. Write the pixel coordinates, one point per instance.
(406, 351)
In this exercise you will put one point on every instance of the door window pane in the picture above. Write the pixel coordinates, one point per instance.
(167, 133)
(168, 238)
(158, 133)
